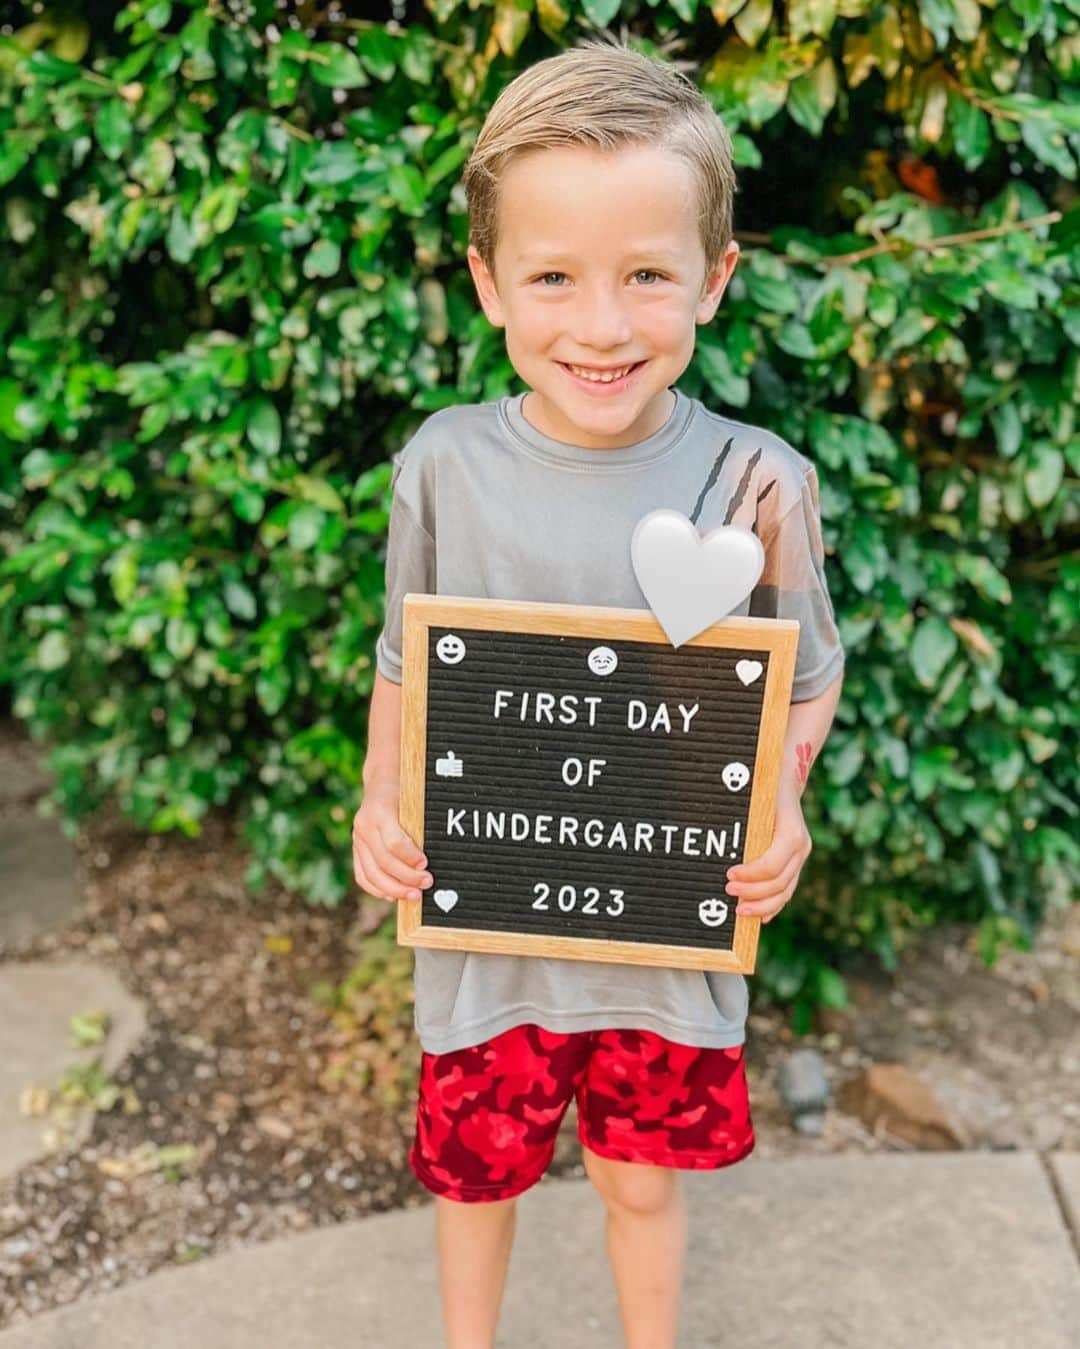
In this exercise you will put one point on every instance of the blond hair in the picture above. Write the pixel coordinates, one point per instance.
(604, 95)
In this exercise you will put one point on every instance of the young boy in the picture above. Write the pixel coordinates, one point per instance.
(600, 197)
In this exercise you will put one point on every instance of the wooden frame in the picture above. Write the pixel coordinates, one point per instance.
(421, 612)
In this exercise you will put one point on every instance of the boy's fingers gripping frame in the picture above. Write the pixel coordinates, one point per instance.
(392, 864)
(376, 881)
(397, 841)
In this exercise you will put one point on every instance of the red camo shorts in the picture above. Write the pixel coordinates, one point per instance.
(487, 1116)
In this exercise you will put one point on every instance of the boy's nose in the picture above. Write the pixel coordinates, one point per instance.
(602, 323)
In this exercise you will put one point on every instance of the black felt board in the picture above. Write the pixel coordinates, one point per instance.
(510, 765)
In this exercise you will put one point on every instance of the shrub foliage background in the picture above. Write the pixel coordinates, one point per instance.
(235, 282)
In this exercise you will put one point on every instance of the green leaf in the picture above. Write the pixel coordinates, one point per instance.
(264, 426)
(239, 599)
(600, 12)
(1047, 143)
(970, 129)
(753, 19)
(406, 185)
(933, 646)
(305, 526)
(984, 576)
(181, 637)
(336, 66)
(832, 988)
(811, 16)
(53, 651)
(1043, 474)
(113, 127)
(379, 51)
(324, 259)
(770, 285)
(715, 365)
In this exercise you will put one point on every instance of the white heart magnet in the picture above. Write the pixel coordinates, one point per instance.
(446, 899)
(748, 671)
(690, 582)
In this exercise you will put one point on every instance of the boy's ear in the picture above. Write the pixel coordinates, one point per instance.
(716, 284)
(485, 288)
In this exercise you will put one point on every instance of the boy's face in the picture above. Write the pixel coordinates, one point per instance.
(599, 263)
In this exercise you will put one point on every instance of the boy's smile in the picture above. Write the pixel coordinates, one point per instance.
(599, 280)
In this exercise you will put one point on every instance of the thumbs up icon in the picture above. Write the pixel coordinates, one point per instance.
(450, 766)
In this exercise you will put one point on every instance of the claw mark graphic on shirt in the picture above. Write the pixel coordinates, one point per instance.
(710, 481)
(743, 487)
(740, 491)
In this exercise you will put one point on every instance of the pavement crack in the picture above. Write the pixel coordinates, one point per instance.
(1069, 1219)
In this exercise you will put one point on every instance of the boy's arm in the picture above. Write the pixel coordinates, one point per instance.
(386, 861)
(382, 762)
(808, 727)
(763, 886)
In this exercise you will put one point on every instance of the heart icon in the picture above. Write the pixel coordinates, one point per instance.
(446, 899)
(691, 582)
(748, 670)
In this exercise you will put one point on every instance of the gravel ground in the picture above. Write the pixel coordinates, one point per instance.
(279, 1114)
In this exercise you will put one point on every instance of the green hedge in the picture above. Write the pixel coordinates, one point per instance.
(235, 283)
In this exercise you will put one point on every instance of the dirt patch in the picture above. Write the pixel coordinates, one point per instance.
(264, 1112)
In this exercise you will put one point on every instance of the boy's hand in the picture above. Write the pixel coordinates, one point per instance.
(765, 885)
(386, 862)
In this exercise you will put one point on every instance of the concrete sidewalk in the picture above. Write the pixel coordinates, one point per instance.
(947, 1251)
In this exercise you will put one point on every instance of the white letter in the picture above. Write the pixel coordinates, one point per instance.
(643, 836)
(595, 766)
(499, 695)
(631, 713)
(594, 833)
(452, 823)
(661, 718)
(514, 818)
(566, 771)
(542, 822)
(688, 715)
(687, 847)
(568, 829)
(594, 703)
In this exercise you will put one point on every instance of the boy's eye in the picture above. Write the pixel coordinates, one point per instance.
(642, 271)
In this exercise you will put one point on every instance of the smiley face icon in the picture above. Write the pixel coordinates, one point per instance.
(450, 649)
(713, 911)
(602, 660)
(735, 776)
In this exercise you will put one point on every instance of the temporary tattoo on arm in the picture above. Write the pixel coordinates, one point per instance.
(804, 756)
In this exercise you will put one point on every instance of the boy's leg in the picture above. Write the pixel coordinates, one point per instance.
(646, 1243)
(648, 1108)
(487, 1119)
(474, 1242)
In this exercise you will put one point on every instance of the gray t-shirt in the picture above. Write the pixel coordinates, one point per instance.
(485, 505)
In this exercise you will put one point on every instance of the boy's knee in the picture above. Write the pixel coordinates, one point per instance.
(631, 1186)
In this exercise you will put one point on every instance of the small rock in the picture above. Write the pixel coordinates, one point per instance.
(802, 1082)
(274, 1127)
(894, 1097)
(810, 1122)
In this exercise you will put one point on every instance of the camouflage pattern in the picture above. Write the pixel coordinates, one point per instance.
(487, 1116)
